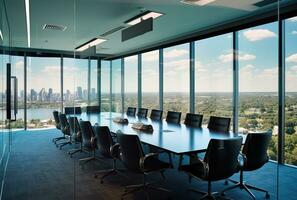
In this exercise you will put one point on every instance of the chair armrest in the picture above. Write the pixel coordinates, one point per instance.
(115, 150)
(144, 159)
(113, 134)
(242, 160)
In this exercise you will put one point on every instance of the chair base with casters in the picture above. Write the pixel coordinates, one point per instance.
(74, 151)
(207, 195)
(60, 145)
(242, 185)
(108, 172)
(143, 187)
(55, 140)
(86, 160)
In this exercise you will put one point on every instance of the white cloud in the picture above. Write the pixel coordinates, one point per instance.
(19, 65)
(293, 19)
(258, 34)
(150, 56)
(51, 69)
(242, 57)
(294, 32)
(292, 58)
(174, 53)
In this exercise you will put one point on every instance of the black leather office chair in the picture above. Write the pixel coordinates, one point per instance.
(131, 111)
(156, 115)
(75, 134)
(89, 142)
(69, 110)
(220, 162)
(173, 117)
(135, 160)
(58, 126)
(142, 112)
(93, 109)
(193, 120)
(77, 110)
(219, 123)
(65, 130)
(107, 148)
(253, 157)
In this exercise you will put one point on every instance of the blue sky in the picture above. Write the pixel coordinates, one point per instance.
(257, 61)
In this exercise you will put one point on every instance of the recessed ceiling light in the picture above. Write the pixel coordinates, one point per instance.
(197, 2)
(27, 9)
(143, 16)
(54, 27)
(91, 43)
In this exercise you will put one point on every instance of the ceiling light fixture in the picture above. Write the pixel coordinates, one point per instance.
(91, 43)
(143, 16)
(1, 36)
(27, 8)
(197, 2)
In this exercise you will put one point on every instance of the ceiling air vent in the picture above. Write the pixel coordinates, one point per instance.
(54, 27)
(112, 31)
(264, 3)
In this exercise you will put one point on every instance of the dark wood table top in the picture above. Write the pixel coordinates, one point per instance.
(175, 138)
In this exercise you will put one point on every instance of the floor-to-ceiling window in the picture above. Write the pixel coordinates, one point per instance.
(258, 81)
(291, 91)
(75, 80)
(93, 84)
(213, 76)
(150, 80)
(43, 91)
(131, 81)
(116, 86)
(105, 86)
(176, 79)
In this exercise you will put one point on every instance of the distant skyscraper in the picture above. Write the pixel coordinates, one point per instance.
(50, 95)
(33, 95)
(42, 95)
(67, 97)
(79, 92)
(85, 95)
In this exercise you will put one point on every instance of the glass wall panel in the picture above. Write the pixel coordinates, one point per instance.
(93, 89)
(43, 91)
(105, 86)
(150, 80)
(176, 79)
(116, 86)
(131, 81)
(291, 91)
(75, 74)
(258, 81)
(213, 76)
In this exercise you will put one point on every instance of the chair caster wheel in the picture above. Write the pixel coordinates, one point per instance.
(223, 194)
(267, 196)
(95, 176)
(226, 182)
(71, 156)
(101, 181)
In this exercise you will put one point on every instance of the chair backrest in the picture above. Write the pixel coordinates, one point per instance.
(64, 124)
(93, 109)
(72, 110)
(56, 118)
(222, 157)
(87, 134)
(194, 120)
(173, 117)
(131, 111)
(104, 140)
(255, 150)
(74, 128)
(156, 115)
(142, 112)
(131, 151)
(69, 110)
(219, 123)
(77, 110)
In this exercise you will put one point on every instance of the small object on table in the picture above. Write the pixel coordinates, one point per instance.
(120, 120)
(143, 127)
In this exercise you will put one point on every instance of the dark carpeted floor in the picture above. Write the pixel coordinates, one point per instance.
(39, 170)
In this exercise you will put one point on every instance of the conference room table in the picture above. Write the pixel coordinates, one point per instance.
(174, 138)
